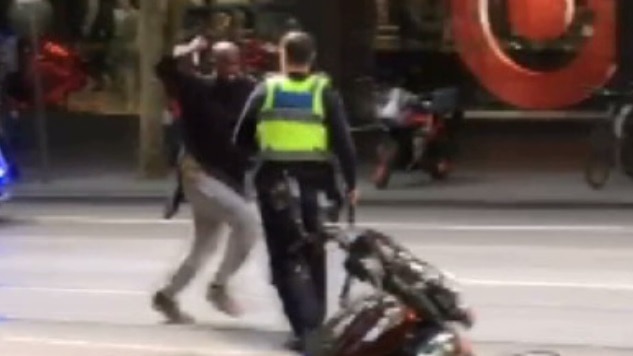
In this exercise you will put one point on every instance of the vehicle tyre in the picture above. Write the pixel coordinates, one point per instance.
(626, 154)
(601, 157)
(387, 152)
(440, 170)
(597, 173)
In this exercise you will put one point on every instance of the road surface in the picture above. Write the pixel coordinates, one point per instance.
(76, 279)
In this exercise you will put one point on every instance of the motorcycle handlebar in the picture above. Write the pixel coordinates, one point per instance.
(341, 236)
(384, 277)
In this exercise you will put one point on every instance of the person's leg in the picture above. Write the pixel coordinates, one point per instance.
(205, 243)
(207, 228)
(245, 228)
(242, 218)
(314, 253)
(290, 274)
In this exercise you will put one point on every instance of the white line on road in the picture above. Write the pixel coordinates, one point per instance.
(488, 283)
(393, 225)
(73, 290)
(133, 347)
(546, 285)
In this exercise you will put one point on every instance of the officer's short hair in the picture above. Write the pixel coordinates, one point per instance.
(299, 46)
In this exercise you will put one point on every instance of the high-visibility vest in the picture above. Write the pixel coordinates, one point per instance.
(291, 123)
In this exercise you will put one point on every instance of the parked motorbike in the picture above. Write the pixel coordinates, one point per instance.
(414, 310)
(259, 57)
(62, 71)
(416, 135)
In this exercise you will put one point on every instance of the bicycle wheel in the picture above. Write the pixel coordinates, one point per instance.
(626, 156)
(387, 152)
(601, 157)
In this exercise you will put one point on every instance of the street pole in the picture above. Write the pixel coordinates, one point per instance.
(30, 7)
(152, 162)
(311, 15)
(357, 34)
(176, 10)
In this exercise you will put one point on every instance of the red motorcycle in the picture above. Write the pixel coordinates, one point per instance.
(259, 57)
(416, 133)
(62, 72)
(416, 309)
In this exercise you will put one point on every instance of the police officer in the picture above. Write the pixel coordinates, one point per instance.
(296, 124)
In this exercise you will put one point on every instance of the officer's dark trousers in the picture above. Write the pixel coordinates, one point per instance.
(298, 275)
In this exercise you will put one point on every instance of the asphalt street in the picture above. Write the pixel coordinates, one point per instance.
(76, 279)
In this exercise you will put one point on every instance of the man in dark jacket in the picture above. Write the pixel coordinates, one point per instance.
(212, 170)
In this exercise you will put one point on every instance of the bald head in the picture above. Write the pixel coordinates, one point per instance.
(226, 56)
(224, 49)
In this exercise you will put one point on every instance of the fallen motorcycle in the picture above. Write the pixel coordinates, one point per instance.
(415, 309)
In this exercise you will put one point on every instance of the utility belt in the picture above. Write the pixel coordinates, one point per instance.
(287, 183)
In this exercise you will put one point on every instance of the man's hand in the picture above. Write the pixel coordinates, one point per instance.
(199, 44)
(196, 45)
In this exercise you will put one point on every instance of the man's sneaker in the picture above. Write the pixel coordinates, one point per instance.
(223, 301)
(170, 309)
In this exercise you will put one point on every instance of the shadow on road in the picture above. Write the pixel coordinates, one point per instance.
(238, 335)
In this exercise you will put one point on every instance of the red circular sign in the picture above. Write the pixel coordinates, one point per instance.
(529, 88)
(541, 20)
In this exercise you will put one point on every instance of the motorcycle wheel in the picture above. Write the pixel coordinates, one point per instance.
(597, 173)
(626, 154)
(601, 158)
(440, 170)
(382, 174)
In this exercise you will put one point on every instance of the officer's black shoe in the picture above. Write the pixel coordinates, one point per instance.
(302, 345)
(170, 309)
(295, 344)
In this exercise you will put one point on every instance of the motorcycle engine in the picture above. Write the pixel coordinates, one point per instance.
(435, 343)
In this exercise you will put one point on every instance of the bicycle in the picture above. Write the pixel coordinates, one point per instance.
(611, 144)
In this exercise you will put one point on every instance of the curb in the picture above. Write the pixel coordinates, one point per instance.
(153, 197)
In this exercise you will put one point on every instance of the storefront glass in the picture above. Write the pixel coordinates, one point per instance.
(505, 54)
(527, 54)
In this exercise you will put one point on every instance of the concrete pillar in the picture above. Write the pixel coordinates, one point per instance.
(152, 161)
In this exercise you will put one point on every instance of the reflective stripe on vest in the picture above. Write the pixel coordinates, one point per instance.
(291, 125)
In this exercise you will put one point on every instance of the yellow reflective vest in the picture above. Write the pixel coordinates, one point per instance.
(291, 124)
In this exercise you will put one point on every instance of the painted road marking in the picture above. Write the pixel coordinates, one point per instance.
(391, 225)
(159, 349)
(487, 283)
(551, 285)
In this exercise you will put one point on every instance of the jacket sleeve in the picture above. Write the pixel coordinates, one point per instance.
(175, 79)
(245, 130)
(340, 136)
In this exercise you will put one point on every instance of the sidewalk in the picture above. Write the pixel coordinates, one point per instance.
(501, 163)
(464, 189)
